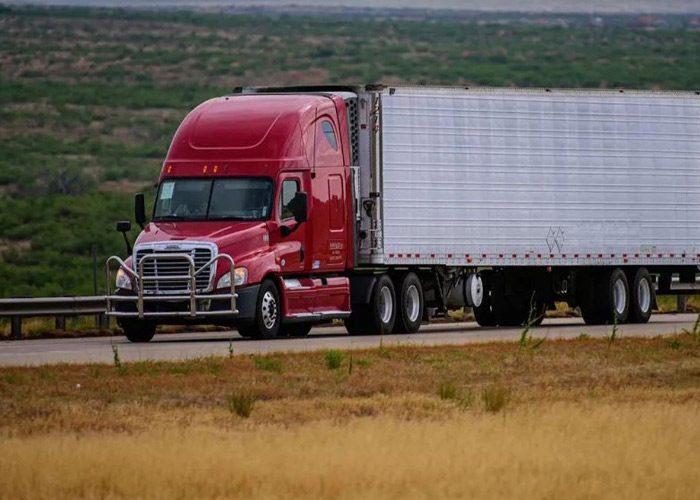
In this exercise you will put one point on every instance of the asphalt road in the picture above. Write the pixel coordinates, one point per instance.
(190, 345)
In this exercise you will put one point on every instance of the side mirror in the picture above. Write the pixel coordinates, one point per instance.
(124, 226)
(139, 209)
(299, 207)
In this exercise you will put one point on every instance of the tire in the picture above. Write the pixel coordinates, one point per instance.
(138, 330)
(296, 330)
(268, 313)
(354, 323)
(609, 299)
(377, 317)
(642, 297)
(484, 313)
(409, 310)
(586, 295)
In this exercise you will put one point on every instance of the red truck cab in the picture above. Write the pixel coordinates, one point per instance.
(260, 181)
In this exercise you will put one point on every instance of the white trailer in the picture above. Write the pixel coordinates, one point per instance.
(508, 200)
(581, 195)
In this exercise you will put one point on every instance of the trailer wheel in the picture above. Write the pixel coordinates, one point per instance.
(642, 297)
(268, 313)
(377, 317)
(296, 330)
(607, 298)
(409, 314)
(138, 330)
(484, 313)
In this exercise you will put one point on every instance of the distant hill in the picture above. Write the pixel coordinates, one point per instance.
(533, 6)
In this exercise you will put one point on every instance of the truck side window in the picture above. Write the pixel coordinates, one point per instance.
(289, 189)
(327, 128)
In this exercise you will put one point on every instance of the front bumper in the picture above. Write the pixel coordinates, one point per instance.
(191, 304)
(209, 307)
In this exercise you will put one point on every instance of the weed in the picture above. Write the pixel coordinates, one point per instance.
(447, 390)
(45, 374)
(583, 336)
(674, 344)
(495, 397)
(268, 364)
(334, 359)
(350, 366)
(613, 335)
(117, 361)
(180, 368)
(695, 333)
(241, 403)
(230, 348)
(364, 363)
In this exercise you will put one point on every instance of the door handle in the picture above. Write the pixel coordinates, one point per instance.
(302, 253)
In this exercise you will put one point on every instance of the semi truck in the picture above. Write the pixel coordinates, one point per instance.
(382, 206)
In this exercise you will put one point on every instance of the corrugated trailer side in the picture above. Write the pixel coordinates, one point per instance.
(501, 177)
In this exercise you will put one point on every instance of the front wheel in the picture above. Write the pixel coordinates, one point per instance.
(138, 330)
(268, 314)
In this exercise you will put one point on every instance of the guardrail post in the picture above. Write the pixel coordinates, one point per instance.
(16, 327)
(60, 323)
(681, 303)
(103, 321)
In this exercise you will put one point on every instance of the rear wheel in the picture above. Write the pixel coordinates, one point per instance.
(377, 317)
(642, 292)
(138, 330)
(483, 311)
(607, 300)
(409, 314)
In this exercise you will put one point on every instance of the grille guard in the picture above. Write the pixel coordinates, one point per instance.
(140, 298)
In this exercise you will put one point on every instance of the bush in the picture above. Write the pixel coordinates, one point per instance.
(241, 403)
(495, 397)
(334, 359)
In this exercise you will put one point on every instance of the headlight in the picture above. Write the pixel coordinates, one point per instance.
(123, 280)
(240, 277)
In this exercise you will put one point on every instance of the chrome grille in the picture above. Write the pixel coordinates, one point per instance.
(164, 265)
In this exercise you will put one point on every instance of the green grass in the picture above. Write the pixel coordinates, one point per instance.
(90, 98)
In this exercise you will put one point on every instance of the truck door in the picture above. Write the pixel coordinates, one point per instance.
(291, 249)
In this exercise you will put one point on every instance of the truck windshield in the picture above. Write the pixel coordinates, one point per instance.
(242, 198)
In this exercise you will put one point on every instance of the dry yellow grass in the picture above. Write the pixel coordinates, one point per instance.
(646, 450)
(583, 419)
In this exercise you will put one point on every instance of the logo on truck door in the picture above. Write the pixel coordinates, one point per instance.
(335, 251)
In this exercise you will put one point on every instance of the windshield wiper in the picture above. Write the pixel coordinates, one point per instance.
(172, 217)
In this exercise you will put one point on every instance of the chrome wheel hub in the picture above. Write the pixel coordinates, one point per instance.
(644, 295)
(412, 303)
(269, 310)
(619, 297)
(386, 305)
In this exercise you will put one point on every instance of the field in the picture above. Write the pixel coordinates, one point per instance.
(89, 99)
(576, 419)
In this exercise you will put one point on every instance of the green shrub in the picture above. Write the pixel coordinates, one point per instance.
(334, 359)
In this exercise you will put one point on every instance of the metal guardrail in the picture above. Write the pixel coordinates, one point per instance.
(58, 307)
